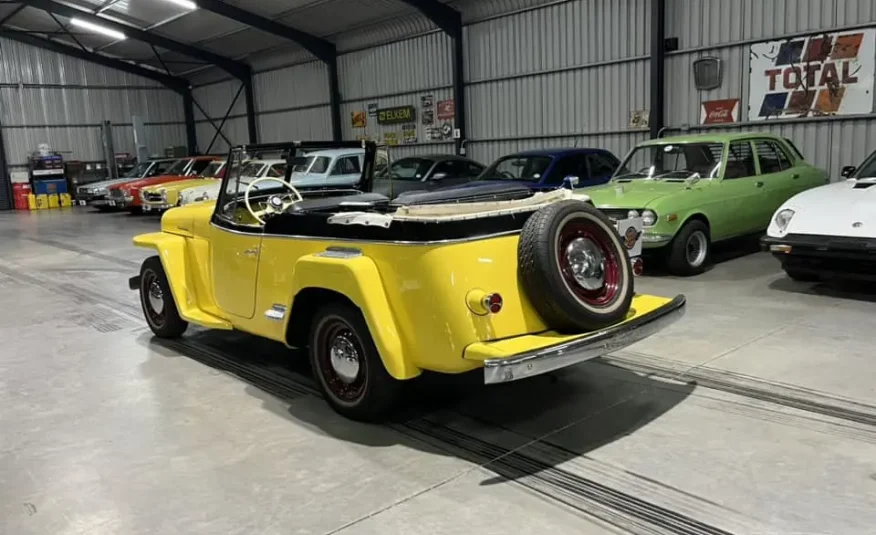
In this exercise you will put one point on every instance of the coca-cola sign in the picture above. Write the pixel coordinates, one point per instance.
(720, 111)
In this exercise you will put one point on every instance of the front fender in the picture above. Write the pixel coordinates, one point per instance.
(358, 279)
(172, 250)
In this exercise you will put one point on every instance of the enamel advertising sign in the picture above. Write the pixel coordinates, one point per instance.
(824, 74)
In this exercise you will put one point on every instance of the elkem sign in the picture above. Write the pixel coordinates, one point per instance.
(398, 114)
(824, 74)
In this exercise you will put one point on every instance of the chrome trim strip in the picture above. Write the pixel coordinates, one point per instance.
(276, 313)
(582, 349)
(359, 240)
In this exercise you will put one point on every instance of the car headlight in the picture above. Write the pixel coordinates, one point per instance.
(783, 218)
(649, 218)
(100, 191)
(632, 214)
(164, 195)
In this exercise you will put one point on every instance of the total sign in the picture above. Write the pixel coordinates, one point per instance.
(824, 74)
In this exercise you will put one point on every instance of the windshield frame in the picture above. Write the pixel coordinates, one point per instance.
(647, 146)
(870, 160)
(170, 170)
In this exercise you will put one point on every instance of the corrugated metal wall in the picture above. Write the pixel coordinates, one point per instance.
(542, 73)
(565, 73)
(726, 29)
(50, 98)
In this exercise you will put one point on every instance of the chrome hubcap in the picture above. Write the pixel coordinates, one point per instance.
(696, 248)
(156, 298)
(344, 358)
(587, 263)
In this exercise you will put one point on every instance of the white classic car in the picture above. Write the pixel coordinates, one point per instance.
(251, 170)
(829, 231)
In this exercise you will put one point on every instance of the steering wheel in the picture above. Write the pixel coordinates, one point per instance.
(276, 203)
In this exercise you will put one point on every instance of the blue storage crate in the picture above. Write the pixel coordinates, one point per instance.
(50, 185)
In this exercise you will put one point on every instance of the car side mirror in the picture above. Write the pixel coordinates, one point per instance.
(848, 171)
(439, 176)
(571, 182)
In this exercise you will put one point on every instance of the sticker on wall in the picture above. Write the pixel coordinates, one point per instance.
(824, 74)
(409, 134)
(427, 102)
(720, 111)
(391, 138)
(372, 109)
(428, 117)
(396, 115)
(639, 118)
(446, 109)
(359, 119)
(446, 130)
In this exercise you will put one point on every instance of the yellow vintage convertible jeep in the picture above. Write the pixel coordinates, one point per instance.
(514, 282)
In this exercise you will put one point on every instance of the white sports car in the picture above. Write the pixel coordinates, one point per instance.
(829, 231)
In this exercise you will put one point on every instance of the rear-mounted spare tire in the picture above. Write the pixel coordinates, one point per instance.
(574, 268)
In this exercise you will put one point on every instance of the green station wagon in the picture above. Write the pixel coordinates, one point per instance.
(692, 191)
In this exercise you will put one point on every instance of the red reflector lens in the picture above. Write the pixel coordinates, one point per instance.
(638, 266)
(493, 303)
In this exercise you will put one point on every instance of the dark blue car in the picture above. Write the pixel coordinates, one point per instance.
(549, 168)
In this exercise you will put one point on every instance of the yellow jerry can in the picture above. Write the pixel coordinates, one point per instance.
(54, 200)
(66, 200)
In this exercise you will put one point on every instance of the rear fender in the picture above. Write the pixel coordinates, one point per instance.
(357, 278)
(172, 250)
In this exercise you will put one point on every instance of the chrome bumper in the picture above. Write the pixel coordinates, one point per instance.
(588, 347)
(155, 207)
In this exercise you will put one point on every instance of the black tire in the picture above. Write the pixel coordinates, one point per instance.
(693, 238)
(546, 272)
(367, 393)
(802, 276)
(165, 323)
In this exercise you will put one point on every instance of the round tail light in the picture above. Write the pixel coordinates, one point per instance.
(638, 266)
(493, 303)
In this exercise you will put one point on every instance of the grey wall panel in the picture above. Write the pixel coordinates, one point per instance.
(683, 99)
(30, 65)
(563, 35)
(158, 138)
(306, 124)
(216, 98)
(568, 102)
(707, 23)
(378, 132)
(410, 65)
(404, 151)
(395, 29)
(619, 144)
(300, 85)
(234, 129)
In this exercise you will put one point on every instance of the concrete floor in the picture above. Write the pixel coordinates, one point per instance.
(754, 414)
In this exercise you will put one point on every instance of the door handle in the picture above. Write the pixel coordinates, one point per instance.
(759, 184)
(251, 252)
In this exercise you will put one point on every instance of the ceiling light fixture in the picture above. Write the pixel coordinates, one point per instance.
(187, 4)
(97, 28)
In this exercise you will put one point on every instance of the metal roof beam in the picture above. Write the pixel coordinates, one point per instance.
(444, 16)
(180, 85)
(323, 49)
(235, 68)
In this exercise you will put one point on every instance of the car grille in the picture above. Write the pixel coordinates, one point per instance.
(615, 214)
(117, 194)
(153, 197)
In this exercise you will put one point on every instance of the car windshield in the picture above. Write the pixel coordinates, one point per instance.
(517, 168)
(139, 170)
(868, 168)
(672, 161)
(312, 164)
(178, 167)
(410, 168)
(211, 170)
(252, 169)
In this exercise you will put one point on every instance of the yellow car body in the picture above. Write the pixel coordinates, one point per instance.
(164, 196)
(419, 300)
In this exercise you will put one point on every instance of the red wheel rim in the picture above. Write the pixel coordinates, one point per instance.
(588, 230)
(336, 335)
